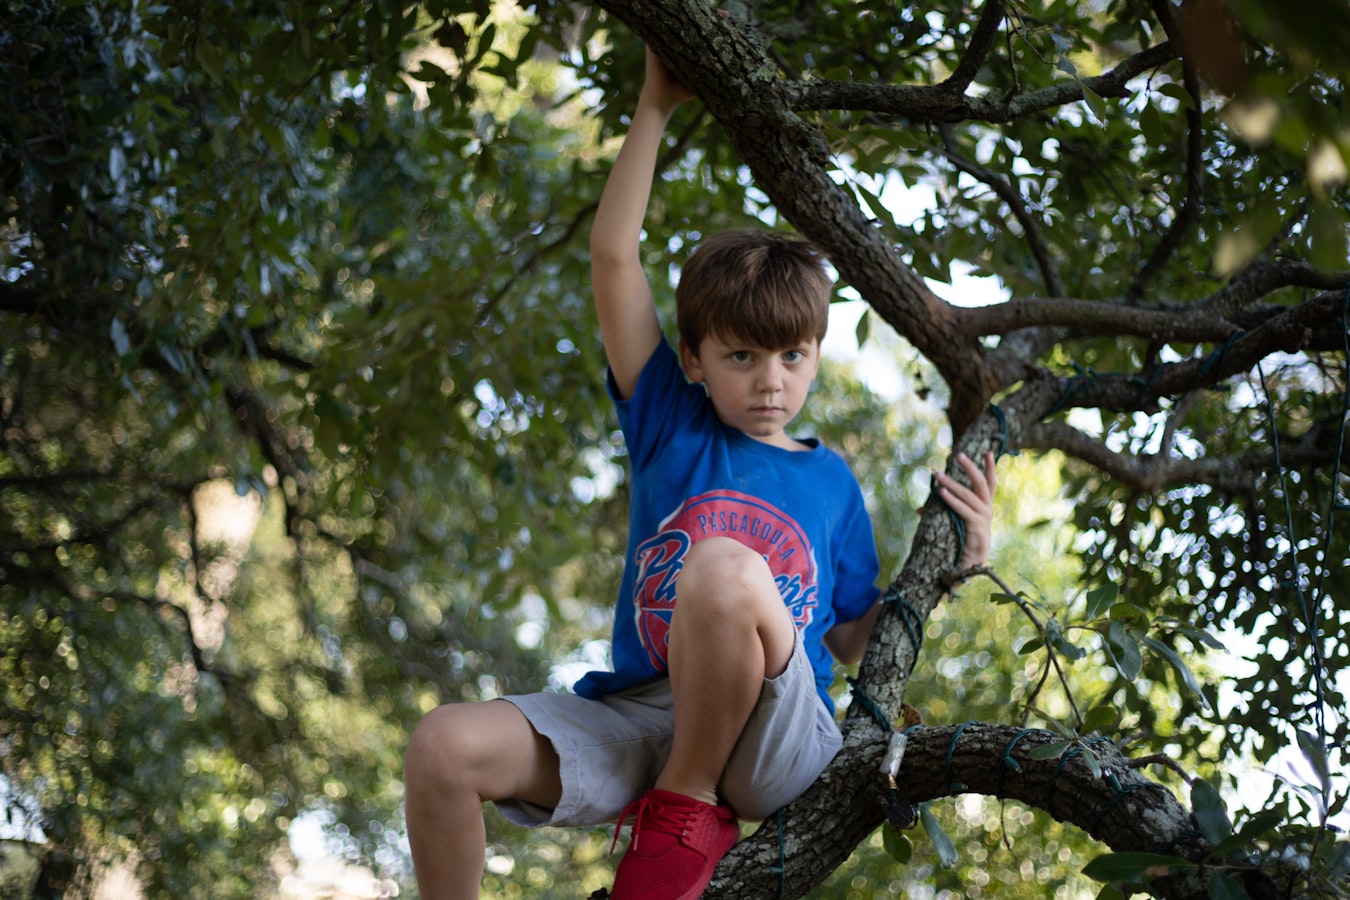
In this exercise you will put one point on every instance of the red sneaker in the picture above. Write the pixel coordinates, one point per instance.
(676, 843)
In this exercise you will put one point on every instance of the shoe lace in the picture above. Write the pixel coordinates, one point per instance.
(664, 820)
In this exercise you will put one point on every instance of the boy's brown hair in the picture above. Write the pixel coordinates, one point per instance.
(765, 288)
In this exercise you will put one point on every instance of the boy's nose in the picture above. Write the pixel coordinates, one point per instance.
(770, 377)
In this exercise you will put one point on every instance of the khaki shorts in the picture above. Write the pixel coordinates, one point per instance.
(612, 749)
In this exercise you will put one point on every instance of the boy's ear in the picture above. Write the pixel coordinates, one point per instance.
(693, 369)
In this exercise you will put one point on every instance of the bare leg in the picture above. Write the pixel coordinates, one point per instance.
(729, 632)
(460, 757)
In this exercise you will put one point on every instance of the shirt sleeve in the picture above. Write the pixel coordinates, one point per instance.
(857, 567)
(662, 401)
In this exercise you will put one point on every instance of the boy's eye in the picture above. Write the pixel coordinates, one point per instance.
(793, 356)
(740, 356)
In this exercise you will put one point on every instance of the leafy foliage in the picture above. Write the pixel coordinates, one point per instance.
(304, 428)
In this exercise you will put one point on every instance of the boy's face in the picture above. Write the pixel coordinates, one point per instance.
(752, 388)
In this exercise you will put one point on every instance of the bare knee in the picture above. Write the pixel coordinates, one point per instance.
(727, 587)
(442, 750)
(487, 749)
(725, 576)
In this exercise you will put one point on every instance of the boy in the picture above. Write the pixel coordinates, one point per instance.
(749, 554)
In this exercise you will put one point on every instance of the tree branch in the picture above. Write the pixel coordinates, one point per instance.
(1010, 195)
(1264, 275)
(1288, 332)
(1117, 807)
(1156, 472)
(937, 103)
(1206, 323)
(1186, 217)
(977, 51)
(1087, 317)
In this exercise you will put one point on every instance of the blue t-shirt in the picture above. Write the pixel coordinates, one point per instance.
(694, 477)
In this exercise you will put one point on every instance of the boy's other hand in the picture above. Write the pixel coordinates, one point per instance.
(661, 84)
(975, 506)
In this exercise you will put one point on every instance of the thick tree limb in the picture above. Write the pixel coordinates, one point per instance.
(1288, 332)
(1216, 319)
(1118, 807)
(1155, 472)
(1264, 275)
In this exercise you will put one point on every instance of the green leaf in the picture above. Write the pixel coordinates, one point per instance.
(1260, 824)
(1093, 765)
(1094, 102)
(897, 844)
(864, 327)
(1210, 812)
(1328, 228)
(1124, 649)
(209, 58)
(1178, 93)
(946, 850)
(1054, 636)
(1100, 599)
(1134, 866)
(873, 203)
(1336, 858)
(1130, 614)
(1052, 750)
(1183, 671)
(1068, 734)
(1151, 125)
(1316, 755)
(1223, 886)
(1198, 635)
(1100, 719)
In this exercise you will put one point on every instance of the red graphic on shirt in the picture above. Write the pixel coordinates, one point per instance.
(756, 524)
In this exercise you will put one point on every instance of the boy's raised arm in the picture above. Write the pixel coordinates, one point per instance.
(623, 299)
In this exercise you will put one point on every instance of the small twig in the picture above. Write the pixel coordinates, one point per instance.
(1191, 201)
(1160, 759)
(1006, 191)
(1040, 628)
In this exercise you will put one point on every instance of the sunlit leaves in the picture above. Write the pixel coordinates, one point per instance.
(302, 325)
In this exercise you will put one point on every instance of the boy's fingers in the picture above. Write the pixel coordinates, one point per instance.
(963, 501)
(980, 480)
(988, 477)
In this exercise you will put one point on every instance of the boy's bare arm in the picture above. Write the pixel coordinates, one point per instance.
(623, 298)
(847, 640)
